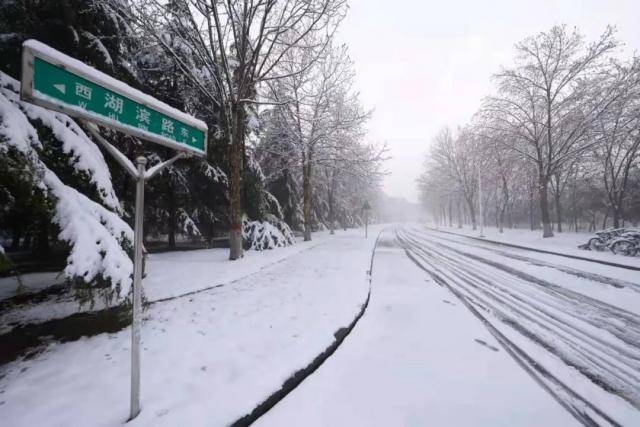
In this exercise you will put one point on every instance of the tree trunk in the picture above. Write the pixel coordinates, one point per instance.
(511, 217)
(472, 213)
(532, 223)
(543, 188)
(331, 209)
(604, 221)
(172, 217)
(235, 181)
(306, 196)
(615, 216)
(558, 210)
(505, 202)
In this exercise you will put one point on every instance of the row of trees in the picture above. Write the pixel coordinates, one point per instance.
(286, 138)
(558, 143)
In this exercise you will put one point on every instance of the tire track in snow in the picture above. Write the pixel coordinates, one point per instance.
(617, 321)
(599, 341)
(598, 278)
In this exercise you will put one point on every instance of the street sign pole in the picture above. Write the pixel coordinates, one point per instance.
(58, 82)
(137, 290)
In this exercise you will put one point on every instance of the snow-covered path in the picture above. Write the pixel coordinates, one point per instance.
(209, 357)
(417, 357)
(169, 275)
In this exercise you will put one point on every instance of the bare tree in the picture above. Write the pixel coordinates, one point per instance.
(456, 158)
(500, 169)
(319, 112)
(239, 45)
(548, 100)
(618, 131)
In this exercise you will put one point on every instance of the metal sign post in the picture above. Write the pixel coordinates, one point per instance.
(134, 409)
(366, 208)
(61, 83)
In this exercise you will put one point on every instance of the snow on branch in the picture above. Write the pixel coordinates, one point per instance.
(96, 234)
(85, 154)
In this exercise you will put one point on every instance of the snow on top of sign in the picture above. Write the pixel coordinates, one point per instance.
(100, 77)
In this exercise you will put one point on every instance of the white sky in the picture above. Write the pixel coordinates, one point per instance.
(425, 64)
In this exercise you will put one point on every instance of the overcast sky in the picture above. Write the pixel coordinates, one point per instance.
(426, 64)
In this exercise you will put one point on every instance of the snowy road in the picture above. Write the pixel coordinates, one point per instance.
(510, 337)
(576, 331)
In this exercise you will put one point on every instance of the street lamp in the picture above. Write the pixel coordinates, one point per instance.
(481, 211)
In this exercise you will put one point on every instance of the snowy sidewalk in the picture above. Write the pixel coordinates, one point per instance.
(562, 243)
(169, 274)
(208, 358)
(417, 357)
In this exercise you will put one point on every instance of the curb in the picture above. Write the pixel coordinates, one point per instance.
(300, 375)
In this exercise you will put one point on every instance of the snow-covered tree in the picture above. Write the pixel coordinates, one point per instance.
(563, 123)
(240, 44)
(548, 100)
(319, 120)
(42, 148)
(618, 133)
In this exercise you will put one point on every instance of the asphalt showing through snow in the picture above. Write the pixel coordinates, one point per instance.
(584, 351)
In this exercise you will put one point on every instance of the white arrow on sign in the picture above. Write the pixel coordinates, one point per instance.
(62, 88)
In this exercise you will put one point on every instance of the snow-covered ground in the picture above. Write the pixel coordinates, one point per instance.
(27, 283)
(417, 357)
(457, 332)
(566, 242)
(169, 274)
(209, 357)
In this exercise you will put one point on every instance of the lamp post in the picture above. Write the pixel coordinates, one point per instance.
(481, 211)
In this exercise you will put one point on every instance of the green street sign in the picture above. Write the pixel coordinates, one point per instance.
(58, 82)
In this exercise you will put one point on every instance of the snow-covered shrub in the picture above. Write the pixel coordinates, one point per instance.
(214, 173)
(273, 205)
(283, 227)
(98, 238)
(268, 234)
(187, 225)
